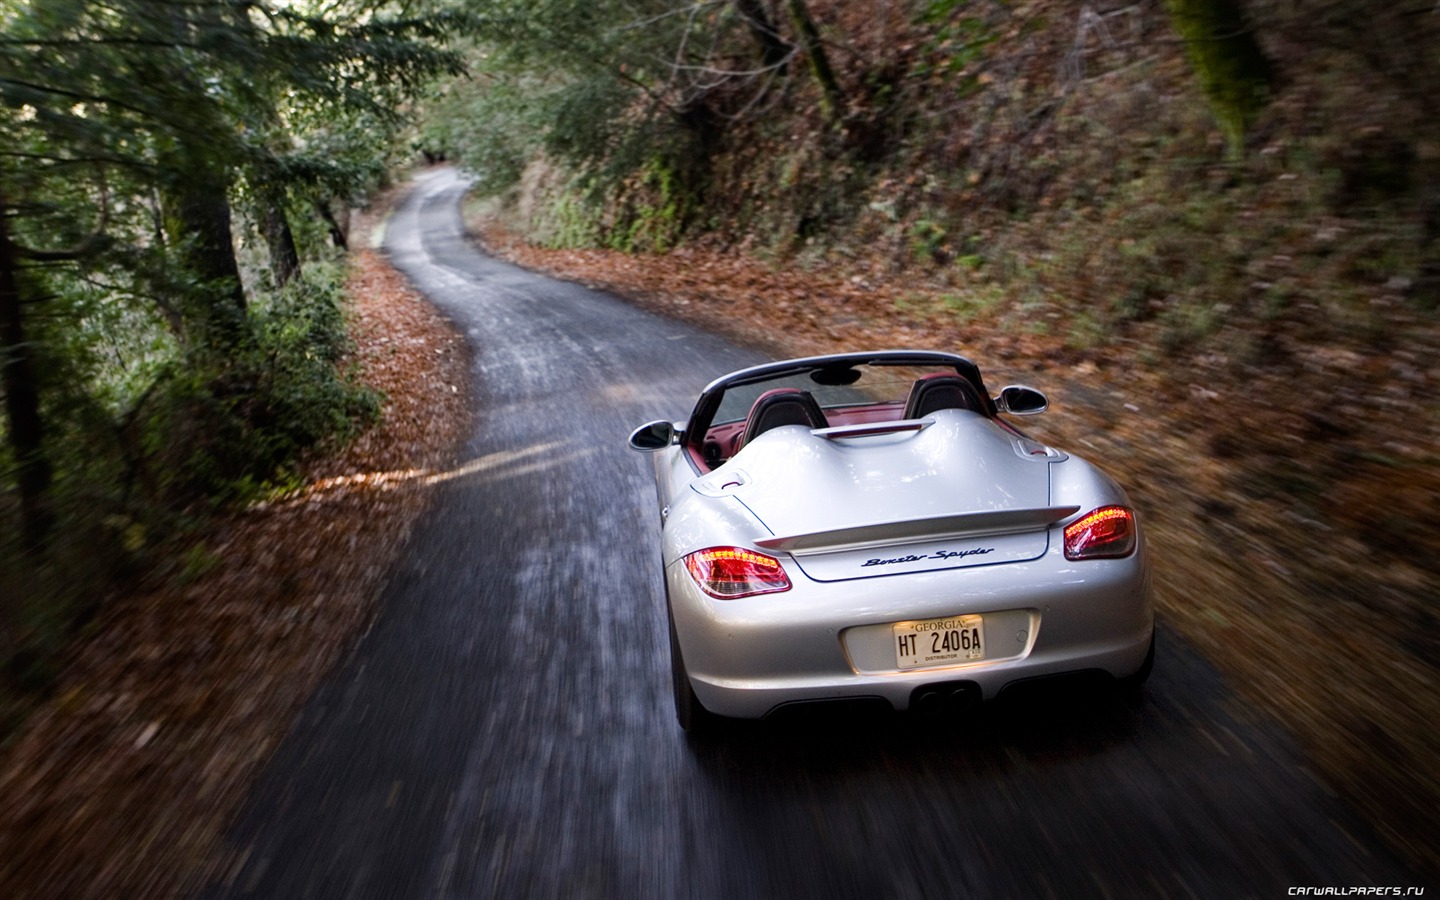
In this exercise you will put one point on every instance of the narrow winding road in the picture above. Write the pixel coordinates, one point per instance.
(505, 728)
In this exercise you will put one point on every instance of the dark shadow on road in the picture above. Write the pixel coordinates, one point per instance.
(1079, 773)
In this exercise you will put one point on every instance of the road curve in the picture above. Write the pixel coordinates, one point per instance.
(505, 728)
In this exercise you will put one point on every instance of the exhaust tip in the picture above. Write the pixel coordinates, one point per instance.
(945, 699)
(928, 702)
(962, 698)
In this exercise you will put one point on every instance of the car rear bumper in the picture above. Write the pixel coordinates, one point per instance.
(831, 641)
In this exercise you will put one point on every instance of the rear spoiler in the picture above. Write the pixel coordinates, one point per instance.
(959, 525)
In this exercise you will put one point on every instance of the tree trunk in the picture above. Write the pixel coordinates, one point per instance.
(339, 224)
(773, 48)
(284, 257)
(197, 224)
(24, 424)
(195, 199)
(832, 99)
(1234, 71)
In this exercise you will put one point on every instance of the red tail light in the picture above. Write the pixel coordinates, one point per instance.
(730, 572)
(1107, 533)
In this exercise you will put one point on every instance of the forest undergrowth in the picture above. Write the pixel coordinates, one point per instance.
(128, 771)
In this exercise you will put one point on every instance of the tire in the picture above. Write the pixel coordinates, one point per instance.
(1133, 682)
(692, 715)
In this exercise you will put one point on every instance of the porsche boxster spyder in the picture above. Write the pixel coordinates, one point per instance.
(871, 526)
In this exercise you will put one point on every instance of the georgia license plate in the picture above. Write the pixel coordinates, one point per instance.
(936, 642)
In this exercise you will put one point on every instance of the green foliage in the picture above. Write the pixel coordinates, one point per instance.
(620, 93)
(224, 427)
(492, 128)
(653, 220)
(146, 372)
(196, 562)
(927, 240)
(1233, 70)
(568, 222)
(958, 38)
(587, 125)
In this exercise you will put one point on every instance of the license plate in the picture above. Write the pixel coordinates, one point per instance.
(936, 642)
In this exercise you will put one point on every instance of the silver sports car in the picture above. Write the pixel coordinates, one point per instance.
(867, 525)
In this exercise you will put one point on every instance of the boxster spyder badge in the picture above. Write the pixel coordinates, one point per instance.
(867, 525)
(938, 554)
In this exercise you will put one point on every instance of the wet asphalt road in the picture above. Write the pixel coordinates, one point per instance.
(505, 729)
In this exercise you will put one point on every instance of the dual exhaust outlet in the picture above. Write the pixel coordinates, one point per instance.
(947, 698)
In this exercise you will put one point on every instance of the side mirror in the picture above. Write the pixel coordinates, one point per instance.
(1019, 400)
(652, 436)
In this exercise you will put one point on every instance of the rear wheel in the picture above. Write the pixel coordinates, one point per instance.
(692, 715)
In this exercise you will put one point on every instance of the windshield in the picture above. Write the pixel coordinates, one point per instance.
(858, 385)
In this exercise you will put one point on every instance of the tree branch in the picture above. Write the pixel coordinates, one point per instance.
(88, 245)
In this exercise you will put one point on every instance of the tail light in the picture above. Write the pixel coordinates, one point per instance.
(1107, 533)
(730, 572)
